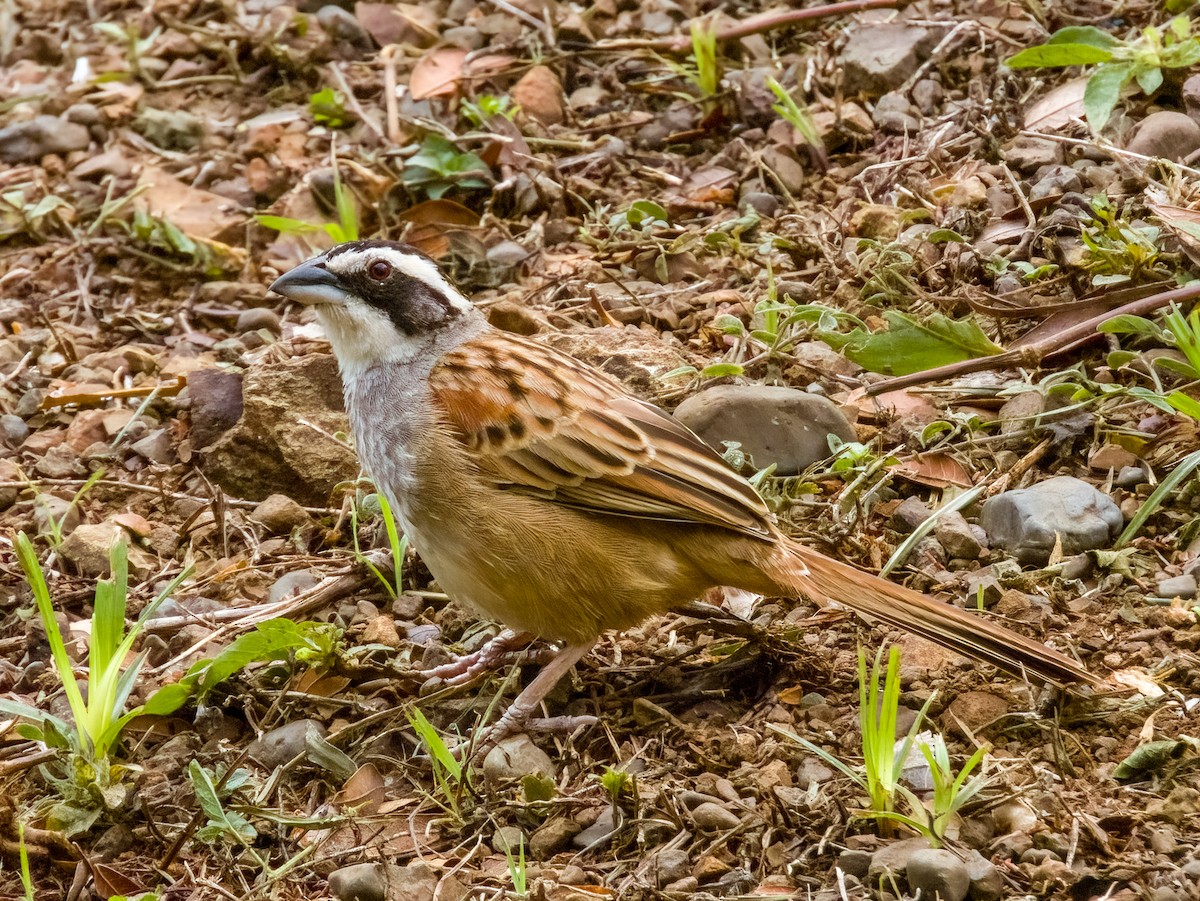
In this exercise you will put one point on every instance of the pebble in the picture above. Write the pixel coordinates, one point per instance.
(13, 429)
(28, 142)
(937, 873)
(1028, 155)
(157, 447)
(776, 425)
(343, 27)
(1167, 135)
(986, 882)
(669, 865)
(894, 115)
(516, 757)
(1014, 817)
(1026, 521)
(955, 534)
(277, 746)
(597, 835)
(280, 515)
(553, 836)
(854, 862)
(880, 58)
(216, 404)
(1178, 587)
(766, 205)
(358, 882)
(292, 583)
(259, 318)
(891, 862)
(909, 514)
(715, 817)
(1130, 477)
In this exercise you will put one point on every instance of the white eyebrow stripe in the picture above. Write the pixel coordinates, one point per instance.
(416, 267)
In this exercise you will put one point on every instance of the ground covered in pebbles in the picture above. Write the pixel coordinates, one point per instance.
(861, 224)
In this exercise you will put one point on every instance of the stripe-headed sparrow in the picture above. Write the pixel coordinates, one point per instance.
(539, 490)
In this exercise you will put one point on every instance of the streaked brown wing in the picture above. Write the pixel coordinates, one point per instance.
(539, 420)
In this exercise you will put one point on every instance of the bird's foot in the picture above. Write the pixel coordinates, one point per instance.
(469, 667)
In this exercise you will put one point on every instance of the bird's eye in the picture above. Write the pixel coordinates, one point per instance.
(379, 270)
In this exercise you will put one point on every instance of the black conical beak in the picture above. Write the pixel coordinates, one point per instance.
(311, 283)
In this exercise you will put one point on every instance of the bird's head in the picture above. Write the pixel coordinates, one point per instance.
(379, 301)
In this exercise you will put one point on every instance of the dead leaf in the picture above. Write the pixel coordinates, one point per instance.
(433, 221)
(363, 792)
(198, 214)
(935, 470)
(1057, 108)
(437, 73)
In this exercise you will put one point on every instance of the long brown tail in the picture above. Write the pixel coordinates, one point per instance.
(805, 571)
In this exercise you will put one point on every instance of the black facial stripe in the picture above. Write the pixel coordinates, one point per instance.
(411, 304)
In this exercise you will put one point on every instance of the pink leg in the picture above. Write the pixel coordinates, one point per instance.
(518, 714)
(468, 667)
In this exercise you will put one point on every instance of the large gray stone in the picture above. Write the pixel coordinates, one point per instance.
(28, 142)
(880, 58)
(1167, 135)
(937, 873)
(284, 442)
(783, 426)
(1026, 522)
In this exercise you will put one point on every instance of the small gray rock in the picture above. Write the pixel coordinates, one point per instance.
(515, 757)
(278, 746)
(597, 835)
(280, 515)
(669, 865)
(508, 838)
(553, 836)
(13, 429)
(773, 425)
(341, 25)
(955, 534)
(28, 142)
(216, 400)
(258, 318)
(1178, 587)
(766, 205)
(910, 514)
(1026, 521)
(157, 447)
(715, 817)
(1166, 135)
(855, 863)
(937, 873)
(894, 115)
(880, 58)
(1130, 477)
(358, 882)
(1027, 154)
(890, 863)
(291, 584)
(986, 882)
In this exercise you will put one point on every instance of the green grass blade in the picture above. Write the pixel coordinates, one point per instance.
(1185, 468)
(58, 649)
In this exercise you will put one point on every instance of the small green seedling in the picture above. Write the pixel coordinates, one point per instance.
(797, 116)
(704, 70)
(1118, 63)
(487, 107)
(99, 718)
(328, 108)
(345, 229)
(439, 168)
(1120, 251)
(450, 776)
(516, 869)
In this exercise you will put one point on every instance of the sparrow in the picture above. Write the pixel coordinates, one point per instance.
(541, 492)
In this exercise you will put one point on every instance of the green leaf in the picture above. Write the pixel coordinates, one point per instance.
(910, 345)
(1149, 80)
(1184, 404)
(1084, 34)
(721, 370)
(284, 224)
(1102, 93)
(1057, 56)
(1125, 324)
